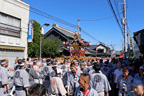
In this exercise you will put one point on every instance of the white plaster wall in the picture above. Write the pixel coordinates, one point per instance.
(19, 9)
(101, 47)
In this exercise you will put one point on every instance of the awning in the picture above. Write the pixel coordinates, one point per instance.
(12, 47)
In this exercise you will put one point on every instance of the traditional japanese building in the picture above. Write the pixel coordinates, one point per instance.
(99, 50)
(64, 35)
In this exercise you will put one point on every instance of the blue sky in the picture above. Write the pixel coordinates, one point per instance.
(104, 30)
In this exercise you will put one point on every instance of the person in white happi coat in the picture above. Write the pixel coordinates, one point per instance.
(72, 81)
(3, 77)
(100, 82)
(124, 83)
(21, 80)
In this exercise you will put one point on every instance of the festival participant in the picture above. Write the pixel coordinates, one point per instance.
(57, 84)
(48, 73)
(137, 88)
(73, 77)
(3, 77)
(101, 62)
(37, 90)
(84, 88)
(99, 82)
(89, 67)
(124, 83)
(117, 73)
(21, 80)
(41, 75)
(140, 75)
(32, 73)
(133, 71)
(106, 70)
(83, 67)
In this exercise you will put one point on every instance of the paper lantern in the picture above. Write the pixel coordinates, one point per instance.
(64, 43)
(89, 44)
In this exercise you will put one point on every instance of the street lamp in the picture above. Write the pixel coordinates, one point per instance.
(46, 24)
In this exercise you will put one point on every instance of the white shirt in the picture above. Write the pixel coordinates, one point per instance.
(58, 86)
(117, 72)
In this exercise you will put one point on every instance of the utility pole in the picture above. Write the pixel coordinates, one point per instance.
(78, 25)
(128, 44)
(125, 28)
(122, 46)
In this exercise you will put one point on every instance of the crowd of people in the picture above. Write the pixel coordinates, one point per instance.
(48, 77)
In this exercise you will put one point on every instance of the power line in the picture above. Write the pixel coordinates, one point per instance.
(38, 12)
(99, 19)
(64, 22)
(89, 35)
(116, 4)
(110, 4)
(55, 18)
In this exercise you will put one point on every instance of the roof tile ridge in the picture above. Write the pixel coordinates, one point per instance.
(66, 29)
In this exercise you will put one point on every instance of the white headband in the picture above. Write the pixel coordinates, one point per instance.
(22, 64)
(3, 63)
(30, 63)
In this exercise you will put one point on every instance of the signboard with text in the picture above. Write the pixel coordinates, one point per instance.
(30, 31)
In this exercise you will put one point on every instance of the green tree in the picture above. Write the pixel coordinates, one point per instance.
(51, 47)
(34, 47)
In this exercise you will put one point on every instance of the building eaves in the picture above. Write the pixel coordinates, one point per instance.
(65, 31)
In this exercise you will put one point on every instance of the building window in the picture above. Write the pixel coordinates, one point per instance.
(9, 25)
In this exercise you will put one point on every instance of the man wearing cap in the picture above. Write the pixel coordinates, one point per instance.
(84, 88)
(72, 81)
(21, 80)
(83, 67)
(99, 82)
(137, 88)
(57, 85)
(3, 77)
(124, 83)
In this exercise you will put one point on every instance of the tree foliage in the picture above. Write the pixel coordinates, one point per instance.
(34, 47)
(51, 47)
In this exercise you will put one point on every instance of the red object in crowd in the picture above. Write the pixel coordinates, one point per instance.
(121, 56)
(82, 52)
(64, 43)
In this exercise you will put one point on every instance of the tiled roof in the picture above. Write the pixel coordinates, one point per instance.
(64, 31)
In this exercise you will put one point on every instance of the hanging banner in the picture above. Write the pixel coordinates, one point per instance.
(30, 31)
